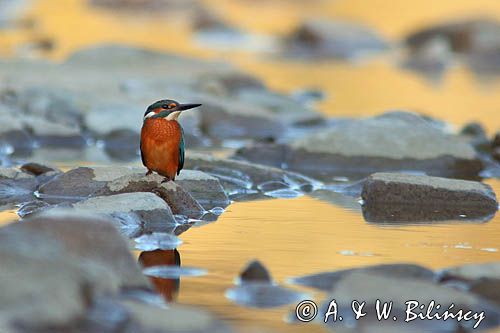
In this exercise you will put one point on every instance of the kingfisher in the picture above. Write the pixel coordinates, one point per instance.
(162, 138)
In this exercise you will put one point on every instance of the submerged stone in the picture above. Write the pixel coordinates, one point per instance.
(327, 281)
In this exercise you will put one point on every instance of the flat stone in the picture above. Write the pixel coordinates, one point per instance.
(81, 182)
(241, 179)
(332, 39)
(327, 281)
(179, 200)
(422, 190)
(204, 188)
(356, 148)
(404, 198)
(145, 211)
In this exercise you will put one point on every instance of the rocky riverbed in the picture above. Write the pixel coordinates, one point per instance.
(98, 246)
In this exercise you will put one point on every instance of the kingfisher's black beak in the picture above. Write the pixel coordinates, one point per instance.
(184, 107)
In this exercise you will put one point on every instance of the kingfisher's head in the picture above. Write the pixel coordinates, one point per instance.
(167, 109)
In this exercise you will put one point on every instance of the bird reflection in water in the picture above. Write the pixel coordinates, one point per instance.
(168, 288)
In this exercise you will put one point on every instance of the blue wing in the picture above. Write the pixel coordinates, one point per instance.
(181, 153)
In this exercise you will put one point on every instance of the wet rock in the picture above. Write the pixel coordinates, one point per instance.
(423, 190)
(144, 211)
(244, 180)
(390, 197)
(370, 287)
(255, 272)
(327, 281)
(333, 39)
(53, 134)
(204, 188)
(394, 141)
(255, 288)
(96, 243)
(180, 201)
(31, 207)
(79, 183)
(16, 187)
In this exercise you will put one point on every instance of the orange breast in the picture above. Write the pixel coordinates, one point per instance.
(160, 140)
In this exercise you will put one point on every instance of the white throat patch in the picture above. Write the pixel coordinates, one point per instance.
(173, 116)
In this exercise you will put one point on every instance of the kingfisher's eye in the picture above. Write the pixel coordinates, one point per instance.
(165, 106)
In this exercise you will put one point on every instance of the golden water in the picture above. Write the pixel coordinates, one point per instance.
(303, 235)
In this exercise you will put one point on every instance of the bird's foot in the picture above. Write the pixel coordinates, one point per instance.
(149, 172)
(166, 180)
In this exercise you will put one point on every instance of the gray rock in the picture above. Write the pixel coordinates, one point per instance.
(255, 271)
(431, 58)
(327, 281)
(16, 187)
(422, 190)
(244, 180)
(405, 198)
(204, 188)
(96, 243)
(333, 39)
(370, 287)
(40, 285)
(180, 201)
(144, 211)
(356, 148)
(80, 183)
